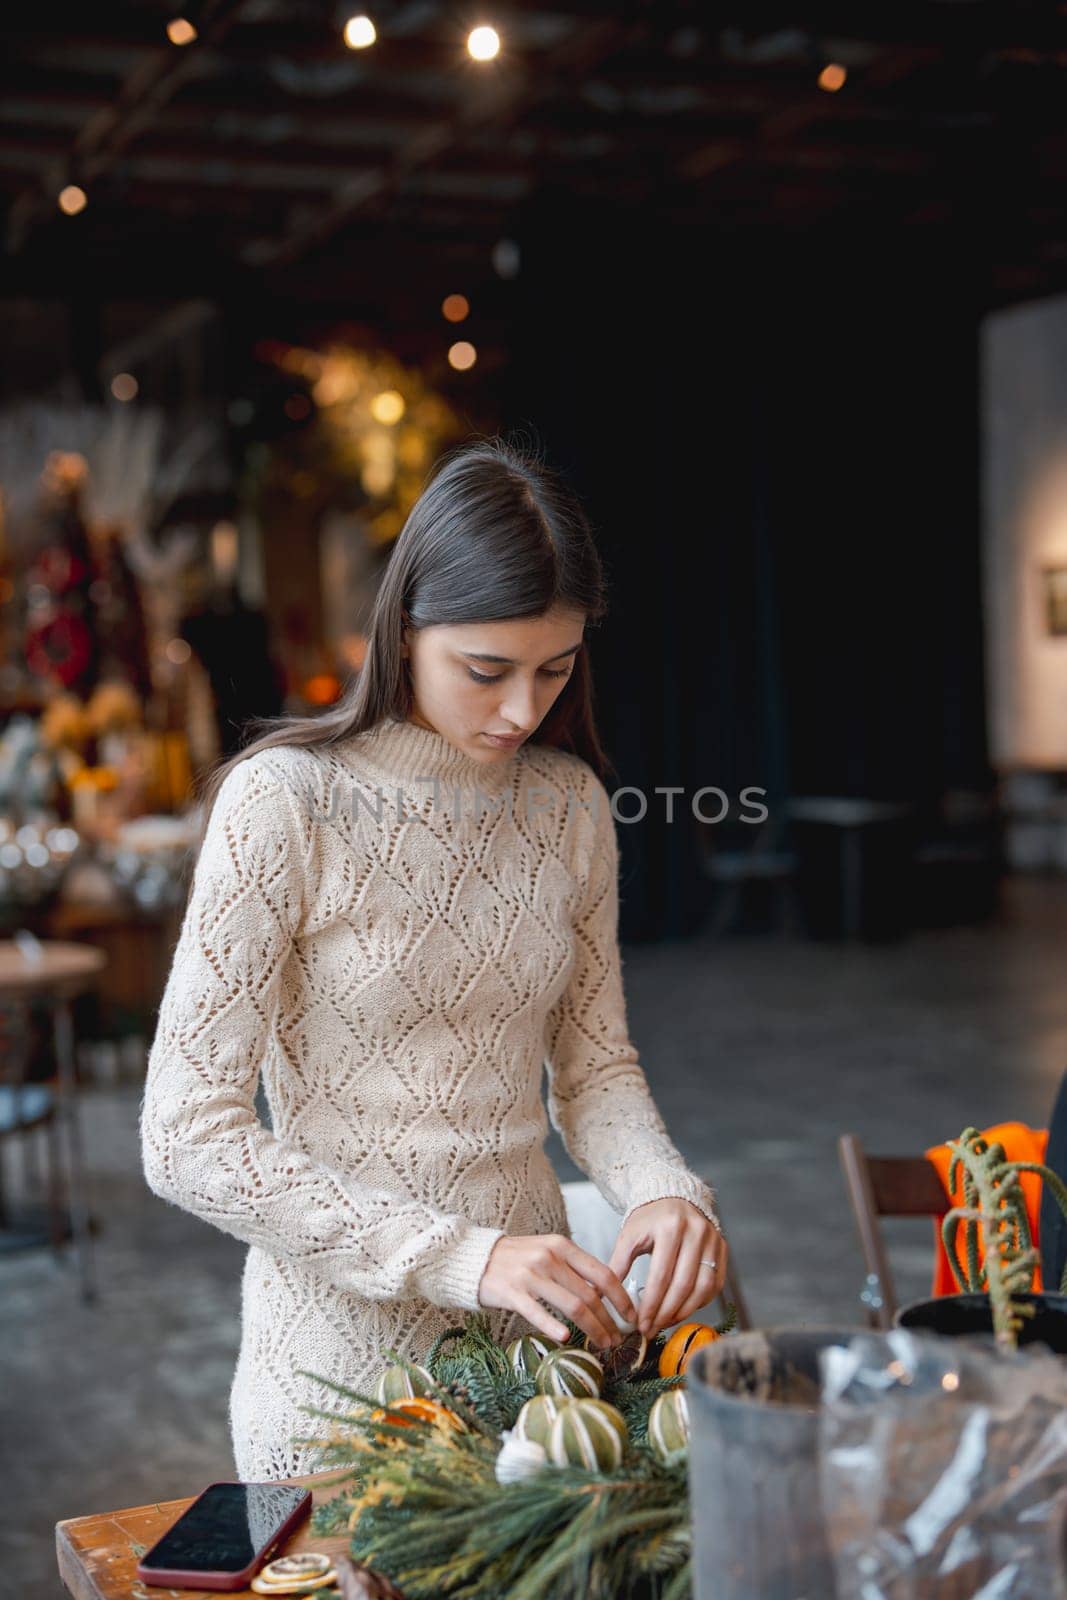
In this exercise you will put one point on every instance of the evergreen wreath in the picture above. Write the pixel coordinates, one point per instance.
(424, 1505)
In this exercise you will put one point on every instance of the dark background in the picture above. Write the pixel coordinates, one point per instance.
(781, 449)
(746, 323)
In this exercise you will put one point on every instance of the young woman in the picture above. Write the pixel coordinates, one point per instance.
(404, 911)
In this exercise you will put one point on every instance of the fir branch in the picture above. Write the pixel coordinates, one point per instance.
(635, 1400)
(584, 1537)
(681, 1584)
(350, 1394)
(439, 1344)
(424, 1506)
(446, 1398)
(729, 1320)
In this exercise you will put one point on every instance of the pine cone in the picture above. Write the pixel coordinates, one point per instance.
(357, 1581)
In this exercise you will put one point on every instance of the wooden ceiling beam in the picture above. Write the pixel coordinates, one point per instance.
(786, 124)
(494, 101)
(717, 43)
(908, 24)
(105, 135)
(407, 56)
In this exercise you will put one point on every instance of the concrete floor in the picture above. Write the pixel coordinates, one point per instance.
(759, 1052)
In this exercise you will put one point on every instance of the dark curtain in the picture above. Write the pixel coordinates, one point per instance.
(777, 442)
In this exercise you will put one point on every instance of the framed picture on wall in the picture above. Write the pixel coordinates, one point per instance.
(1054, 587)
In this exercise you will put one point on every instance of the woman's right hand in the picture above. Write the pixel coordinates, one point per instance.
(522, 1271)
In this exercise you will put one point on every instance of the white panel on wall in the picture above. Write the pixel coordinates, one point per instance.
(1024, 407)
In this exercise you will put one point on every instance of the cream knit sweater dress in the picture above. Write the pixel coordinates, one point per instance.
(404, 942)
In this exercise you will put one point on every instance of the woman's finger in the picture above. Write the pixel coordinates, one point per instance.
(633, 1241)
(569, 1293)
(537, 1316)
(697, 1301)
(667, 1239)
(689, 1278)
(719, 1252)
(591, 1297)
(599, 1273)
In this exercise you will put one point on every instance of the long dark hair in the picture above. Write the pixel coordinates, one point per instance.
(494, 535)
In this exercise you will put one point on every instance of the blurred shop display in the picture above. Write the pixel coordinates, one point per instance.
(106, 714)
(98, 548)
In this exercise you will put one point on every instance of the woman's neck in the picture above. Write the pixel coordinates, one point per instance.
(401, 750)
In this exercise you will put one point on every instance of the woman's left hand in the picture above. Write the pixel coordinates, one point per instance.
(680, 1238)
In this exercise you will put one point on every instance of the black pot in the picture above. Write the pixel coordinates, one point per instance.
(956, 1315)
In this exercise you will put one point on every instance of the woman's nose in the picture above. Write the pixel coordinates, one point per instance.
(519, 710)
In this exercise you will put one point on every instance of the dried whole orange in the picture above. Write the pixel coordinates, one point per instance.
(686, 1338)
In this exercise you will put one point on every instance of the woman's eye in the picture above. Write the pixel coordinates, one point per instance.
(494, 677)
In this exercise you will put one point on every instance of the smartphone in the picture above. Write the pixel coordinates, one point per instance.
(222, 1539)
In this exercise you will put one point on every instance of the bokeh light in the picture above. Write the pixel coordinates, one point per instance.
(360, 32)
(483, 43)
(181, 31)
(387, 406)
(72, 199)
(462, 355)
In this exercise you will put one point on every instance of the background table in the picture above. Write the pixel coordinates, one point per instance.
(58, 973)
(98, 1555)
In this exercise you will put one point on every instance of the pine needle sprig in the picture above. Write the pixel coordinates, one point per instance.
(424, 1506)
(457, 1532)
(635, 1400)
(474, 1342)
(448, 1397)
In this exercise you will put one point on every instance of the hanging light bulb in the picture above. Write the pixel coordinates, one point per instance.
(72, 199)
(455, 307)
(832, 77)
(483, 43)
(181, 31)
(360, 32)
(462, 355)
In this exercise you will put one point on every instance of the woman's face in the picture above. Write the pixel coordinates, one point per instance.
(474, 680)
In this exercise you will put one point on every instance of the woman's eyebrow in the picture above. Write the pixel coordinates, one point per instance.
(506, 661)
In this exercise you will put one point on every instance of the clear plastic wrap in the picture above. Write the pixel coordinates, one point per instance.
(943, 1469)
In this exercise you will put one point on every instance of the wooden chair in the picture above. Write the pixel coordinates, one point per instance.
(908, 1186)
(885, 1186)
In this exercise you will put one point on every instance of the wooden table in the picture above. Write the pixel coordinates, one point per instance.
(98, 1555)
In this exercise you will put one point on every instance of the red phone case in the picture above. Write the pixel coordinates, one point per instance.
(175, 1578)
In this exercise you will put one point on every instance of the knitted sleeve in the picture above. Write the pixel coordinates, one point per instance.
(598, 1097)
(203, 1146)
